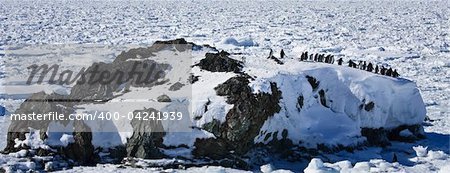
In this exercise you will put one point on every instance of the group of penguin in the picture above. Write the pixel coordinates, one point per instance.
(363, 65)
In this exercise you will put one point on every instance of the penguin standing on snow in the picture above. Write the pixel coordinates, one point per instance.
(383, 70)
(389, 72)
(274, 58)
(350, 63)
(376, 69)
(369, 67)
(310, 57)
(364, 66)
(340, 61)
(395, 73)
(282, 54)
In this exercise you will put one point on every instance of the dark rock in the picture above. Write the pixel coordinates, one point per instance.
(2, 111)
(416, 130)
(247, 116)
(376, 137)
(176, 86)
(38, 103)
(211, 148)
(81, 150)
(220, 62)
(323, 99)
(163, 98)
(234, 163)
(192, 79)
(382, 137)
(147, 138)
(300, 103)
(96, 87)
(369, 106)
(313, 82)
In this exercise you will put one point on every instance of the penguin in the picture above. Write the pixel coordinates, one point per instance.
(270, 54)
(282, 54)
(376, 69)
(340, 61)
(364, 66)
(382, 70)
(306, 56)
(332, 59)
(350, 63)
(389, 72)
(369, 67)
(395, 73)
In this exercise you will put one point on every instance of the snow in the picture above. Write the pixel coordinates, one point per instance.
(32, 140)
(266, 168)
(186, 138)
(217, 108)
(434, 161)
(346, 89)
(316, 166)
(420, 151)
(66, 139)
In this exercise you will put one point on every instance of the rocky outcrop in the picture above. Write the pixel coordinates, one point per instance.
(163, 98)
(93, 87)
(243, 121)
(220, 62)
(383, 137)
(146, 139)
(81, 150)
(38, 103)
(228, 140)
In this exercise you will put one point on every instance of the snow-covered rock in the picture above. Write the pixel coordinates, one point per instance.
(435, 161)
(236, 105)
(316, 166)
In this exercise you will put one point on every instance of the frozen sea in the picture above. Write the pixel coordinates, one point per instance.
(411, 36)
